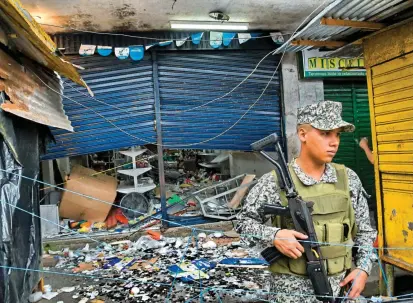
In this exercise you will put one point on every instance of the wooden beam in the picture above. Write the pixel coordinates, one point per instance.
(318, 43)
(351, 23)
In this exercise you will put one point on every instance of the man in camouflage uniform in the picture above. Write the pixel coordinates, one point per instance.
(319, 128)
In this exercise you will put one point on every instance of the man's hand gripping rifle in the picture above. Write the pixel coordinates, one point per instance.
(300, 212)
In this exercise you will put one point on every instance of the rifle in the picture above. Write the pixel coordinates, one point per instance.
(300, 212)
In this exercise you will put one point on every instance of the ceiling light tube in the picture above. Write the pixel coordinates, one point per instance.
(209, 25)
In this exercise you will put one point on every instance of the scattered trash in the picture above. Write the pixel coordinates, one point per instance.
(121, 244)
(155, 235)
(67, 289)
(83, 267)
(244, 262)
(204, 264)
(178, 243)
(35, 297)
(146, 242)
(187, 272)
(239, 253)
(174, 199)
(202, 235)
(164, 250)
(49, 295)
(209, 244)
(158, 259)
(251, 285)
(47, 288)
(86, 248)
(49, 261)
(231, 234)
(134, 291)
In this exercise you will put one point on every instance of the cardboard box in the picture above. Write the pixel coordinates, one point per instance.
(77, 207)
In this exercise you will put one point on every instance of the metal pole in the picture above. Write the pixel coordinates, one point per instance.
(389, 269)
(159, 139)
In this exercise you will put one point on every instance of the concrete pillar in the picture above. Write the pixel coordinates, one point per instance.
(48, 174)
(64, 166)
(296, 93)
(249, 163)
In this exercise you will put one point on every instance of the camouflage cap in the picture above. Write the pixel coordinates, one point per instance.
(325, 115)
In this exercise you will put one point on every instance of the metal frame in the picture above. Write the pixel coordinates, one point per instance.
(223, 212)
(159, 140)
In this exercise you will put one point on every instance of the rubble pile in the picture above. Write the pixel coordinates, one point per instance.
(154, 267)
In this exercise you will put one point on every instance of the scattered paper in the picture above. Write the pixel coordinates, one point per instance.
(50, 295)
(67, 289)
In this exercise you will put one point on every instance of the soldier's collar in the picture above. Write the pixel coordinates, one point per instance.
(329, 176)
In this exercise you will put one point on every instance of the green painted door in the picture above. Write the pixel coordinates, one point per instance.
(354, 97)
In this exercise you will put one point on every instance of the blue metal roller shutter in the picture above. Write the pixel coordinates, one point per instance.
(190, 79)
(127, 89)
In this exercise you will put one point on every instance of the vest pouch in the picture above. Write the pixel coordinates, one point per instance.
(330, 205)
(335, 254)
(320, 231)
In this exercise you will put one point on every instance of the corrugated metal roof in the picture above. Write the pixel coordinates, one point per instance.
(32, 41)
(28, 96)
(355, 10)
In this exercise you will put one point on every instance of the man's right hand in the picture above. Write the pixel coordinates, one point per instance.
(364, 143)
(286, 242)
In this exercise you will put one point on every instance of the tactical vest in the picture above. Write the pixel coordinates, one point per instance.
(334, 222)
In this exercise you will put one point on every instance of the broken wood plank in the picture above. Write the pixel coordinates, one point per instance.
(318, 43)
(354, 24)
(239, 195)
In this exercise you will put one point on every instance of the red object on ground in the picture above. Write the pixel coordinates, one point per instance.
(120, 216)
(111, 221)
(376, 243)
(154, 234)
(114, 217)
(191, 203)
(188, 181)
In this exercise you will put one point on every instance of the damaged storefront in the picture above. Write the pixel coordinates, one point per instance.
(143, 101)
(109, 190)
(111, 187)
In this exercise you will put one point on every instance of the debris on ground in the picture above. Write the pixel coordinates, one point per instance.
(143, 271)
